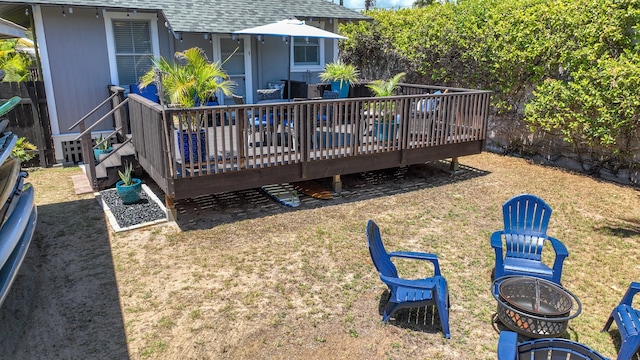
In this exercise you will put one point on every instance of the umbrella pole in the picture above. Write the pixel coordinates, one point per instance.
(289, 45)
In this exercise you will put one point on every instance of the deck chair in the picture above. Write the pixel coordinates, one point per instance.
(405, 293)
(237, 99)
(326, 112)
(628, 321)
(526, 218)
(547, 349)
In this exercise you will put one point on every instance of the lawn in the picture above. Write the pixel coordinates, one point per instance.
(262, 281)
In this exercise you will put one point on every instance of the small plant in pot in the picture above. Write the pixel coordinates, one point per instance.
(190, 81)
(386, 120)
(341, 76)
(128, 188)
(103, 146)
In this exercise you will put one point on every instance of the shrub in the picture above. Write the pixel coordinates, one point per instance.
(574, 62)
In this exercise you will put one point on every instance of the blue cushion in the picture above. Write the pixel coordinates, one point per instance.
(428, 104)
(149, 92)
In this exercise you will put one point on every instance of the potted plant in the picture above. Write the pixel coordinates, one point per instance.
(128, 187)
(385, 118)
(341, 76)
(190, 81)
(103, 147)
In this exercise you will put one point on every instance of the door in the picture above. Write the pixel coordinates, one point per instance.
(232, 57)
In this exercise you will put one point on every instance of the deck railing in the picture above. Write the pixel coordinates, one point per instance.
(236, 138)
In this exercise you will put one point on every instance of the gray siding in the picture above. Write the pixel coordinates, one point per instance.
(77, 50)
(76, 44)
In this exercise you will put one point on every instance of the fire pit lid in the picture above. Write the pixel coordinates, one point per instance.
(535, 296)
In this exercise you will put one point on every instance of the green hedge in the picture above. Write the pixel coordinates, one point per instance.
(573, 64)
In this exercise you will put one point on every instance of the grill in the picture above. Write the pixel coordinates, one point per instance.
(534, 307)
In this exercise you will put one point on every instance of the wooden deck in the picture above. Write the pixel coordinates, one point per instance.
(246, 146)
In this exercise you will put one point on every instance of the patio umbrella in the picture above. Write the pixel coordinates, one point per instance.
(290, 28)
(9, 30)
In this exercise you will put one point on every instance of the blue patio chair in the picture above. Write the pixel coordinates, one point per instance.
(149, 92)
(628, 321)
(526, 218)
(547, 349)
(405, 293)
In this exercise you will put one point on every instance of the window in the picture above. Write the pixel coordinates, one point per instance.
(132, 43)
(133, 49)
(306, 51)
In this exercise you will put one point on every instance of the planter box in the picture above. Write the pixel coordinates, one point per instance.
(190, 149)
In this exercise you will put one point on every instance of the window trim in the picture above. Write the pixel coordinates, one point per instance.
(111, 42)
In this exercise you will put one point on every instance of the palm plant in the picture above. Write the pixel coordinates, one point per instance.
(24, 150)
(189, 81)
(340, 72)
(14, 63)
(384, 88)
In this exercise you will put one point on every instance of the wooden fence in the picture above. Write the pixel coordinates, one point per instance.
(31, 118)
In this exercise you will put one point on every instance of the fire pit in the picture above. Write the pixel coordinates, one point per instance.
(534, 307)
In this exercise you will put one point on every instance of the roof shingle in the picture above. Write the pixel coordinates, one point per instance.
(219, 16)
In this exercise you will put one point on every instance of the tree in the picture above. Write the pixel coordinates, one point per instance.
(369, 4)
(15, 64)
(422, 3)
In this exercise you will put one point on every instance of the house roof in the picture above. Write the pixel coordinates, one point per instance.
(217, 16)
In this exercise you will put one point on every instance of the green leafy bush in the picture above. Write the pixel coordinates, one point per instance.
(572, 64)
(14, 63)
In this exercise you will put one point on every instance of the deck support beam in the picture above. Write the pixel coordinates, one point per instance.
(454, 165)
(172, 213)
(337, 184)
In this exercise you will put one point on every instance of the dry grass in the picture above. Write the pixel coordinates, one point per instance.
(300, 284)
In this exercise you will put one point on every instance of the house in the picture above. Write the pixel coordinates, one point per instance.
(86, 45)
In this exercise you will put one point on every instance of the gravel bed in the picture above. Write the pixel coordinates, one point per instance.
(146, 210)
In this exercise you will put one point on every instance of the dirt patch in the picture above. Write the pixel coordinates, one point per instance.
(242, 277)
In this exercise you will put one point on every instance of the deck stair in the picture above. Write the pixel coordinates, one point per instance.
(107, 169)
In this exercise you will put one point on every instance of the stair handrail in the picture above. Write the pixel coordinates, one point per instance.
(105, 116)
(93, 111)
(85, 132)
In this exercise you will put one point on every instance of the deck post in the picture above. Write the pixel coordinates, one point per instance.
(172, 213)
(337, 184)
(453, 167)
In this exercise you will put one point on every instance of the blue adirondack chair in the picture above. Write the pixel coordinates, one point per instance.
(405, 293)
(547, 349)
(526, 218)
(628, 321)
